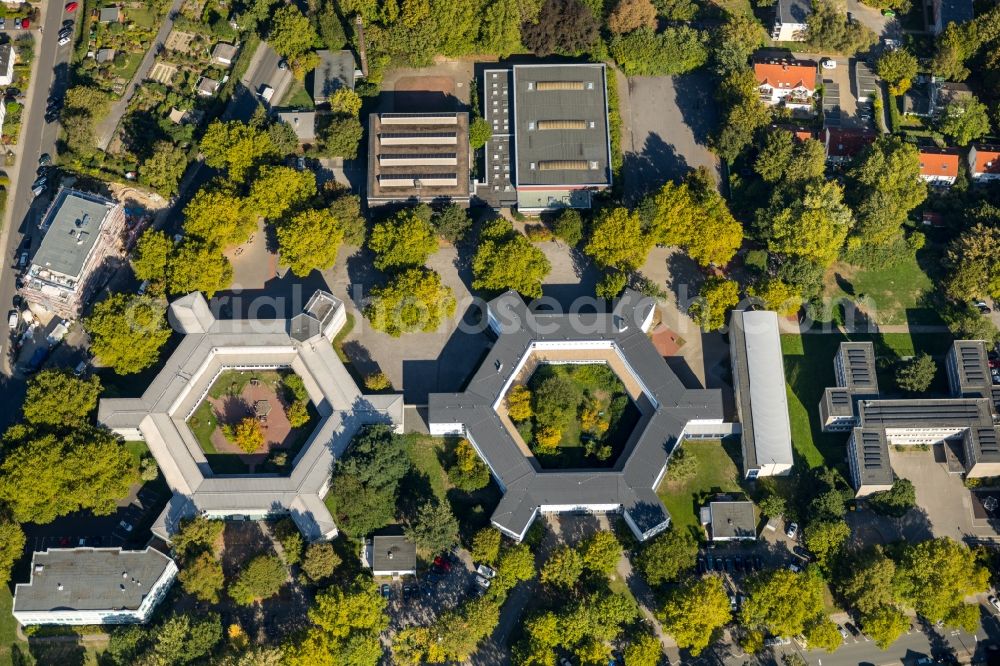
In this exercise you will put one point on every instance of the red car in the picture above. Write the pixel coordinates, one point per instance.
(71, 6)
(442, 564)
(25, 24)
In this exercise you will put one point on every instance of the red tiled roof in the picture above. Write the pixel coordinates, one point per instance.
(786, 73)
(987, 159)
(938, 162)
(847, 142)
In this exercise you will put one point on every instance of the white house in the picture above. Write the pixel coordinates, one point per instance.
(791, 82)
(7, 58)
(984, 162)
(93, 586)
(790, 20)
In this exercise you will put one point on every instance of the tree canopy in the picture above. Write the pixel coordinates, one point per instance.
(567, 27)
(695, 611)
(885, 187)
(219, 217)
(668, 556)
(973, 272)
(198, 266)
(126, 332)
(507, 260)
(57, 398)
(716, 297)
(236, 146)
(260, 579)
(676, 50)
(618, 240)
(783, 603)
(404, 241)
(278, 190)
(965, 120)
(696, 218)
(434, 529)
(898, 67)
(916, 374)
(309, 241)
(414, 300)
(346, 621)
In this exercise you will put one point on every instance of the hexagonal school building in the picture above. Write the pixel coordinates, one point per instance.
(213, 347)
(668, 413)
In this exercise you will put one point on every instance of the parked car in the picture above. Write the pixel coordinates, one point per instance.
(40, 182)
(803, 553)
(80, 368)
(794, 568)
(851, 628)
(65, 39)
(45, 159)
(994, 602)
(792, 530)
(125, 526)
(71, 7)
(25, 23)
(829, 63)
(442, 564)
(983, 307)
(843, 632)
(483, 582)
(486, 572)
(3, 23)
(22, 261)
(386, 590)
(12, 318)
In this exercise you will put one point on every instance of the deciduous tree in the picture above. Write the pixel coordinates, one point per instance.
(601, 553)
(629, 15)
(965, 120)
(829, 30)
(618, 240)
(309, 241)
(886, 187)
(414, 300)
(825, 538)
(434, 529)
(486, 546)
(935, 576)
(198, 266)
(338, 136)
(196, 534)
(898, 67)
(219, 217)
(346, 102)
(884, 625)
(236, 146)
(479, 133)
(451, 223)
(694, 611)
(716, 297)
(779, 296)
(11, 548)
(185, 639)
(279, 189)
(202, 577)
(567, 27)
(563, 568)
(291, 34)
(126, 332)
(973, 271)
(57, 398)
(676, 50)
(669, 555)
(164, 168)
(150, 257)
(783, 603)
(897, 500)
(261, 579)
(916, 374)
(468, 473)
(404, 241)
(507, 260)
(320, 561)
(735, 41)
(814, 226)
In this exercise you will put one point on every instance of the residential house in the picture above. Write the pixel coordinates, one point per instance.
(790, 20)
(7, 58)
(728, 520)
(843, 144)
(104, 55)
(390, 553)
(949, 11)
(178, 116)
(110, 15)
(939, 166)
(77, 586)
(949, 91)
(336, 69)
(224, 53)
(303, 122)
(984, 162)
(791, 82)
(207, 87)
(82, 246)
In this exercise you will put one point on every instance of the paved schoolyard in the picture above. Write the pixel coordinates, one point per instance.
(667, 124)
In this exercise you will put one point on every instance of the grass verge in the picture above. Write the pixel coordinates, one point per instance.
(717, 472)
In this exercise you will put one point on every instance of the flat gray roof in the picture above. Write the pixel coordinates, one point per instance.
(335, 70)
(733, 520)
(925, 412)
(972, 366)
(90, 579)
(303, 122)
(393, 553)
(767, 437)
(72, 225)
(630, 484)
(561, 125)
(871, 457)
(794, 11)
(858, 362)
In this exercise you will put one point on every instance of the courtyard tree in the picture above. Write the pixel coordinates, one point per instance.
(320, 562)
(965, 120)
(287, 534)
(298, 414)
(563, 568)
(403, 241)
(261, 579)
(601, 553)
(898, 67)
(247, 435)
(717, 296)
(468, 472)
(669, 555)
(278, 190)
(309, 241)
(568, 227)
(150, 257)
(629, 15)
(896, 501)
(618, 240)
(486, 546)
(695, 611)
(783, 603)
(480, 133)
(434, 529)
(219, 217)
(366, 481)
(127, 332)
(506, 259)
(451, 222)
(57, 398)
(202, 577)
(916, 374)
(46, 476)
(196, 534)
(236, 147)
(414, 300)
(519, 403)
(198, 266)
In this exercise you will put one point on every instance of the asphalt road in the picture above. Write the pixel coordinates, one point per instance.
(263, 70)
(51, 78)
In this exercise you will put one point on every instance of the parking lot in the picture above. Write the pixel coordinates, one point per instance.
(847, 93)
(419, 600)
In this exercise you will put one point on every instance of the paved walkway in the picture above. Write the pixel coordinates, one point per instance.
(106, 130)
(647, 602)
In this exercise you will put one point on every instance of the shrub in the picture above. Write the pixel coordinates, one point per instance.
(288, 535)
(320, 561)
(298, 414)
(377, 381)
(538, 233)
(468, 473)
(568, 227)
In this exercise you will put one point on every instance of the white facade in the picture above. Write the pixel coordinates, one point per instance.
(984, 164)
(788, 32)
(7, 64)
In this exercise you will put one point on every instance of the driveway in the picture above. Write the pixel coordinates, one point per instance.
(263, 70)
(872, 18)
(668, 120)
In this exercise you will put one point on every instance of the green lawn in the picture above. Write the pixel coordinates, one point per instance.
(809, 370)
(717, 473)
(8, 626)
(901, 294)
(297, 97)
